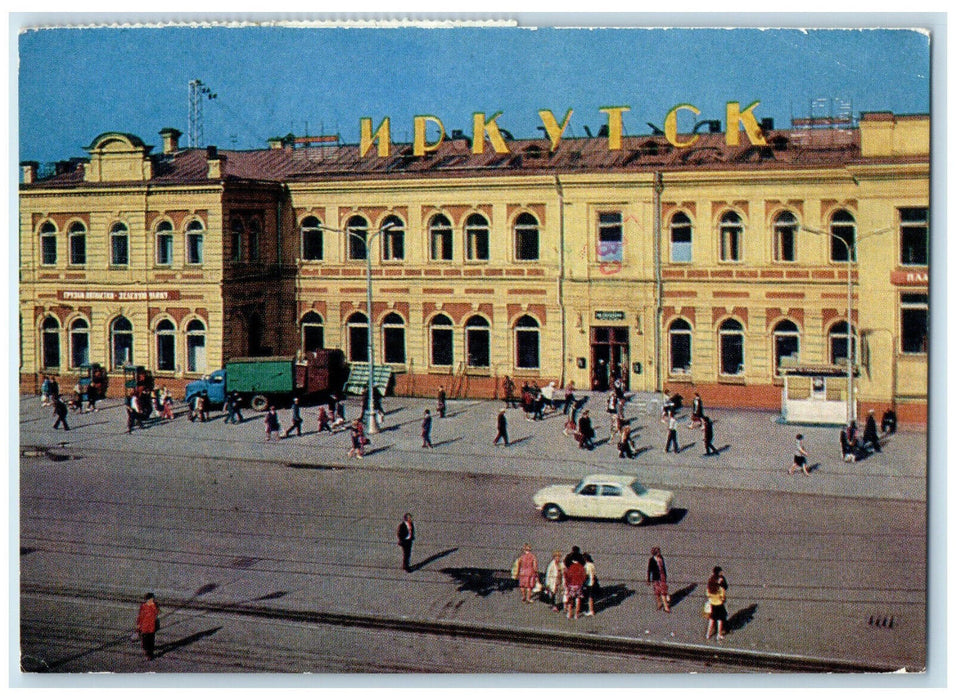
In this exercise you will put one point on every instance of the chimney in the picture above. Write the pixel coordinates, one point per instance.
(28, 171)
(275, 143)
(215, 163)
(170, 138)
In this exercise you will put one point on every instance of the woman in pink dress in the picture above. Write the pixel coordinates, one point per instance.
(527, 570)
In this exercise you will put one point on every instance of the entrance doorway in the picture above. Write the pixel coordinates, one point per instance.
(609, 356)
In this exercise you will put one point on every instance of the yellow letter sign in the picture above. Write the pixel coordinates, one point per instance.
(749, 122)
(554, 130)
(615, 126)
(382, 135)
(481, 126)
(421, 146)
(670, 126)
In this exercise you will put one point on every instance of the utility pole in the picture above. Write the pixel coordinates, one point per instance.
(197, 90)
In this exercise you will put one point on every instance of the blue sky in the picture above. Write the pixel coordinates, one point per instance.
(77, 83)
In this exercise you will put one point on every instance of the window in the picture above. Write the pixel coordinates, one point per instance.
(843, 240)
(121, 342)
(680, 335)
(236, 231)
(839, 336)
(77, 244)
(478, 342)
(79, 343)
(476, 237)
(48, 244)
(164, 243)
(255, 239)
(311, 238)
(393, 239)
(51, 342)
(611, 490)
(196, 346)
(194, 240)
(731, 237)
(357, 228)
(393, 339)
(442, 342)
(786, 346)
(313, 332)
(119, 245)
(357, 325)
(527, 352)
(526, 237)
(914, 326)
(914, 236)
(731, 334)
(681, 238)
(610, 237)
(785, 237)
(165, 346)
(440, 234)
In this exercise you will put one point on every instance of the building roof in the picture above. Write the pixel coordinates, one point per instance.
(798, 148)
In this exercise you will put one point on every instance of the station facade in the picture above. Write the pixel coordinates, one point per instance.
(711, 268)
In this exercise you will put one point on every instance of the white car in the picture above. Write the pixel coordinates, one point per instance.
(604, 496)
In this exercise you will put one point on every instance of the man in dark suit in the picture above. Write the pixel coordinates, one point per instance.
(406, 535)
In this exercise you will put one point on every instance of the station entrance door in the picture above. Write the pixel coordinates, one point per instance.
(609, 356)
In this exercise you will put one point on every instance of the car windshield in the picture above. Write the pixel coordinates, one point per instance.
(638, 488)
(580, 485)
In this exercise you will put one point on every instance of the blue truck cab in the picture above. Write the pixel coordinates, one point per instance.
(213, 384)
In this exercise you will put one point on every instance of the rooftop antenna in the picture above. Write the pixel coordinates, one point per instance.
(197, 90)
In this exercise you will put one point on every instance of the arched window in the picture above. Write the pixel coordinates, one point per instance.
(164, 243)
(731, 334)
(442, 343)
(440, 235)
(48, 243)
(311, 238)
(255, 239)
(121, 342)
(313, 332)
(79, 342)
(51, 342)
(843, 227)
(357, 325)
(527, 343)
(393, 239)
(526, 237)
(478, 342)
(119, 244)
(785, 237)
(165, 346)
(476, 237)
(194, 242)
(236, 232)
(196, 346)
(680, 334)
(840, 339)
(77, 244)
(682, 232)
(731, 237)
(786, 346)
(393, 339)
(357, 228)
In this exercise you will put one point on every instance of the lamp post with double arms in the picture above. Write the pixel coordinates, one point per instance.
(371, 427)
(851, 251)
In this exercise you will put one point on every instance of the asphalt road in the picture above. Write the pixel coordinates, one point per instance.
(212, 536)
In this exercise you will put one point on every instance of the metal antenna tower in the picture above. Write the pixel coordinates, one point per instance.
(197, 90)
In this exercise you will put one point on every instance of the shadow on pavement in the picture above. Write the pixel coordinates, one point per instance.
(679, 595)
(611, 596)
(185, 641)
(434, 557)
(482, 582)
(674, 517)
(442, 443)
(741, 618)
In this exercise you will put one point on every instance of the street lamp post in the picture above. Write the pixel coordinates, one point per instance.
(851, 249)
(371, 426)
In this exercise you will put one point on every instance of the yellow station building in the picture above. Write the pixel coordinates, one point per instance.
(710, 267)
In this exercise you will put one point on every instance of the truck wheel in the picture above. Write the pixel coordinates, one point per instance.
(259, 403)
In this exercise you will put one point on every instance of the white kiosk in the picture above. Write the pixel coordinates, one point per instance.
(815, 395)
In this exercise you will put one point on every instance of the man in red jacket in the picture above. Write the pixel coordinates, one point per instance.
(147, 623)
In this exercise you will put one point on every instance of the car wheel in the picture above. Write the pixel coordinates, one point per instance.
(634, 517)
(259, 403)
(552, 512)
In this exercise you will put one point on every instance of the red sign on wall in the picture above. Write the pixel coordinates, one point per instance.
(125, 295)
(905, 278)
